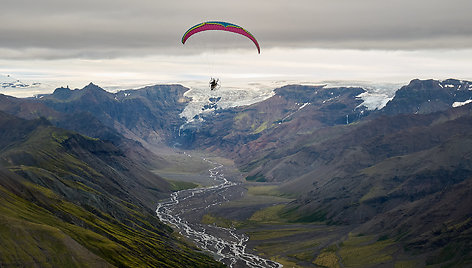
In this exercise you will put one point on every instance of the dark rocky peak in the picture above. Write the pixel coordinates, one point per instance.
(427, 96)
(431, 85)
(90, 91)
(92, 86)
(94, 89)
(94, 95)
(62, 93)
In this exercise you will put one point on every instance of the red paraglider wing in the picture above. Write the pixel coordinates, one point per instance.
(219, 26)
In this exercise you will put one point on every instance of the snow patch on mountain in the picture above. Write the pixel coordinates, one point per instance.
(461, 103)
(303, 105)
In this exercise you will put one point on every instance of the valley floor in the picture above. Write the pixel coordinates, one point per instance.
(256, 210)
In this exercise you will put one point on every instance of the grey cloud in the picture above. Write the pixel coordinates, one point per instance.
(109, 28)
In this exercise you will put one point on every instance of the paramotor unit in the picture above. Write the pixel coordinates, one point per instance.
(214, 83)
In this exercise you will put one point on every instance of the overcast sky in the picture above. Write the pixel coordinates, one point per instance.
(123, 40)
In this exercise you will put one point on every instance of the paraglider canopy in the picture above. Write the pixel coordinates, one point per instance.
(220, 26)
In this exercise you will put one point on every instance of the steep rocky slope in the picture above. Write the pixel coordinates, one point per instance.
(426, 96)
(149, 115)
(293, 111)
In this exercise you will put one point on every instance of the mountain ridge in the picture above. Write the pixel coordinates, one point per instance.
(149, 115)
(82, 197)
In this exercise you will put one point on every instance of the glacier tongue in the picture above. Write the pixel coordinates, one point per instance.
(376, 94)
(205, 100)
(375, 99)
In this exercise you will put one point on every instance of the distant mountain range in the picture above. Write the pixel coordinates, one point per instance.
(6, 81)
(403, 170)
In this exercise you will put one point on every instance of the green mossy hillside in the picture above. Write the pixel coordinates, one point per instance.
(71, 201)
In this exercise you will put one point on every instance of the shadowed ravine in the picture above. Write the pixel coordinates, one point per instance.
(225, 244)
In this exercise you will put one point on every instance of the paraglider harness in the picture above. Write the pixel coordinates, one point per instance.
(214, 83)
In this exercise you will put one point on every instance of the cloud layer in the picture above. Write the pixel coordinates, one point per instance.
(52, 29)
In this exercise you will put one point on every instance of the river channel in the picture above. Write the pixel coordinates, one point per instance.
(182, 211)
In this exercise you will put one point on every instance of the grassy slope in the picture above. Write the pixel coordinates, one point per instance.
(286, 238)
(49, 232)
(58, 210)
(273, 233)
